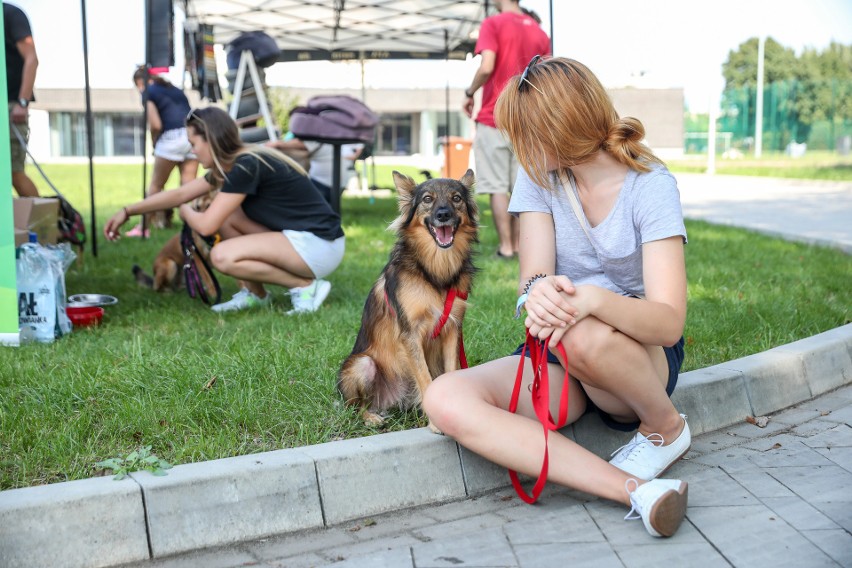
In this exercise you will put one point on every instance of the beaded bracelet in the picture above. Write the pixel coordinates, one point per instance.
(522, 299)
(532, 281)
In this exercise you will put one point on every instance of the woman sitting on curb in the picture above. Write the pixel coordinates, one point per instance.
(602, 271)
(275, 226)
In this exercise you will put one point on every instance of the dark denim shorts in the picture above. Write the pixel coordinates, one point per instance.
(674, 356)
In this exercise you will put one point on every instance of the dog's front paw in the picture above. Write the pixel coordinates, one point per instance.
(372, 419)
(434, 429)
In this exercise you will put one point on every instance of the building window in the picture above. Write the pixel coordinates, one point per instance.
(395, 135)
(115, 134)
(455, 124)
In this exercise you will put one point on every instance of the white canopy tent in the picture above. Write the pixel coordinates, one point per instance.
(349, 30)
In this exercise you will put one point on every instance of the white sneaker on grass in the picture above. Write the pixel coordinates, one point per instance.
(646, 458)
(660, 503)
(309, 298)
(242, 300)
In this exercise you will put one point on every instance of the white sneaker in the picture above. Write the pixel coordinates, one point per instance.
(309, 298)
(660, 503)
(242, 300)
(646, 458)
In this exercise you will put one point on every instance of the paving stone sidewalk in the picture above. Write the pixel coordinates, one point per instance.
(759, 497)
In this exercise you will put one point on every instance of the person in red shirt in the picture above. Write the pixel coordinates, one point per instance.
(507, 41)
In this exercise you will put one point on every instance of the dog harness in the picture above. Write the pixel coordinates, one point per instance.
(452, 293)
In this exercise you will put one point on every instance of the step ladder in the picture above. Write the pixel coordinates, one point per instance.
(256, 89)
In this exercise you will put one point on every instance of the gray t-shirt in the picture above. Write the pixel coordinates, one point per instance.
(647, 209)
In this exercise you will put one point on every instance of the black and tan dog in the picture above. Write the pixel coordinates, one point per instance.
(412, 321)
(168, 264)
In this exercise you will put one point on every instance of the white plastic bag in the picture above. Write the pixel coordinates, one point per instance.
(41, 290)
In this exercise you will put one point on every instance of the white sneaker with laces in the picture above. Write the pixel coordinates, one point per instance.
(242, 300)
(309, 298)
(660, 503)
(646, 458)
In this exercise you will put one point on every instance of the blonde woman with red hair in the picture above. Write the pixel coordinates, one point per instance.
(602, 272)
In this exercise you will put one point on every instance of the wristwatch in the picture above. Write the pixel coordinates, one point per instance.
(24, 102)
(468, 94)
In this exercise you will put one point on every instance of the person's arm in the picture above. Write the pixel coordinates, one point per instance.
(285, 145)
(486, 69)
(26, 47)
(155, 123)
(659, 318)
(208, 222)
(157, 202)
(545, 303)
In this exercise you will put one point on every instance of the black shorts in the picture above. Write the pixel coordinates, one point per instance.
(674, 356)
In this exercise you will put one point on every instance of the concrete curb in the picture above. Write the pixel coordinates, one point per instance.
(248, 497)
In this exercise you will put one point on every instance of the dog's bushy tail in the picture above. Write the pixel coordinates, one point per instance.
(141, 278)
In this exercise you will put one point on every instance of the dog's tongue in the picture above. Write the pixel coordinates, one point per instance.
(444, 234)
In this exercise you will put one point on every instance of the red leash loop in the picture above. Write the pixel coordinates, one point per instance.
(540, 393)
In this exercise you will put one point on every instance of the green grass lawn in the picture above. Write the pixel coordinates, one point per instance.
(145, 376)
(814, 165)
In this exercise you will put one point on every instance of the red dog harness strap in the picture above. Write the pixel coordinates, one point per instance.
(439, 327)
(540, 390)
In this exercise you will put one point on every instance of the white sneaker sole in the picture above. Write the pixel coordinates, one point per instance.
(668, 512)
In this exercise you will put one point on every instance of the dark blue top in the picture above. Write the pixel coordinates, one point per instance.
(171, 103)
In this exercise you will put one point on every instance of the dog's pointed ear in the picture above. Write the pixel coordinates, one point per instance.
(468, 179)
(405, 186)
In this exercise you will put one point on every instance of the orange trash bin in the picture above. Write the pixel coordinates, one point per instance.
(456, 156)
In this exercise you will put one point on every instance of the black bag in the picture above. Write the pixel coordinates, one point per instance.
(71, 226)
(200, 280)
(262, 47)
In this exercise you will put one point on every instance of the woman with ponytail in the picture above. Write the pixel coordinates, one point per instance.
(275, 226)
(602, 275)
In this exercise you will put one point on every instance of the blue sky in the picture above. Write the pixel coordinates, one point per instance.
(653, 43)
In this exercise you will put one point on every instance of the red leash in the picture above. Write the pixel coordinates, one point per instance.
(541, 404)
(439, 327)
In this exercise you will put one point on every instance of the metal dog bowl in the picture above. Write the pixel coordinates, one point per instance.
(80, 300)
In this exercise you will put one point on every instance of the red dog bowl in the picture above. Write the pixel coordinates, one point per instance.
(84, 316)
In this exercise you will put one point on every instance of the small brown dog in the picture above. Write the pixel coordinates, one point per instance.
(412, 321)
(168, 265)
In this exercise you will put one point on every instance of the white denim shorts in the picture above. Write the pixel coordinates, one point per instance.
(174, 145)
(321, 256)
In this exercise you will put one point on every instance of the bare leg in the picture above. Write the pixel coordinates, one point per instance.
(255, 255)
(623, 377)
(162, 170)
(470, 404)
(24, 185)
(188, 171)
(502, 222)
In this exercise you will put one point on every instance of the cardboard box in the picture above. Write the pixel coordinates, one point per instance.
(21, 237)
(39, 215)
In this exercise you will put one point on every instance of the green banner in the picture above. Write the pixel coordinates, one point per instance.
(8, 278)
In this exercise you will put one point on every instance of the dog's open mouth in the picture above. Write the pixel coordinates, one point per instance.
(443, 235)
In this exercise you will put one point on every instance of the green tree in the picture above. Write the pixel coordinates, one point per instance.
(281, 102)
(800, 91)
(740, 69)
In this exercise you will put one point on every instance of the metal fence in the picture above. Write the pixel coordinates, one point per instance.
(815, 113)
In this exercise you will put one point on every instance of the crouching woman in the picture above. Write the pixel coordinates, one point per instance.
(275, 227)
